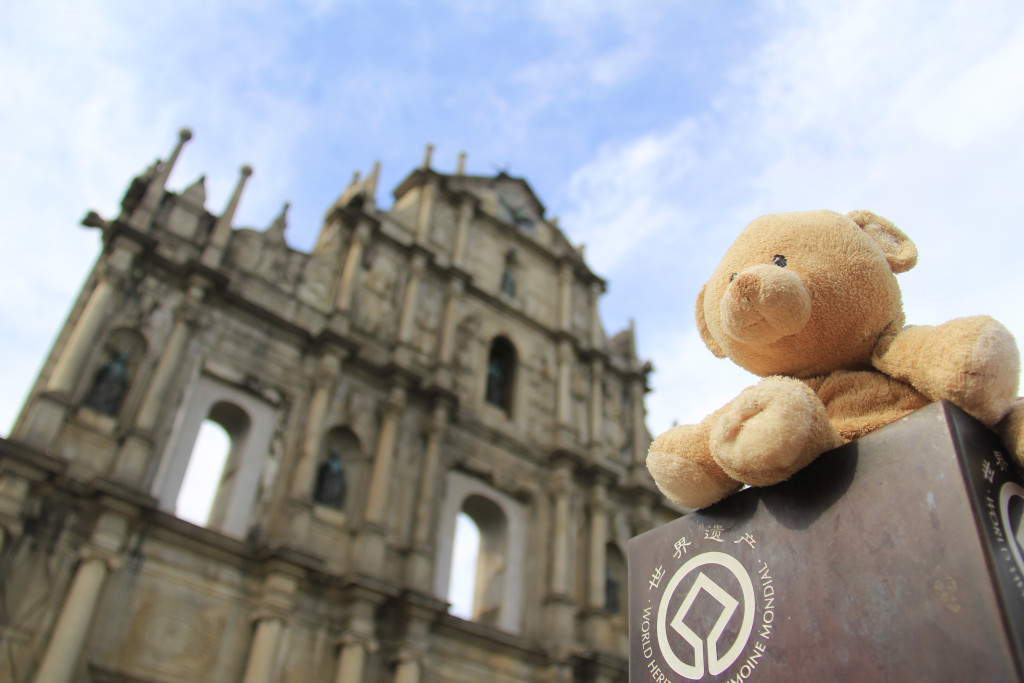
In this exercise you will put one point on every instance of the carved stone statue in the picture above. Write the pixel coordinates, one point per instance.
(331, 484)
(108, 388)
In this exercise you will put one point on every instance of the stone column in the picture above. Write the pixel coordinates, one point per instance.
(380, 479)
(636, 400)
(595, 317)
(561, 489)
(353, 260)
(564, 396)
(446, 343)
(134, 459)
(277, 600)
(598, 540)
(167, 369)
(409, 299)
(427, 197)
(351, 662)
(596, 403)
(357, 641)
(14, 490)
(597, 617)
(69, 634)
(85, 335)
(408, 670)
(68, 637)
(560, 605)
(462, 231)
(260, 666)
(373, 540)
(429, 481)
(305, 470)
(565, 277)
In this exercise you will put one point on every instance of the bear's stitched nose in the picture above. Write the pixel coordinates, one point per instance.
(747, 286)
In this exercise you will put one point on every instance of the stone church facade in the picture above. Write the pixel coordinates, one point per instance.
(439, 358)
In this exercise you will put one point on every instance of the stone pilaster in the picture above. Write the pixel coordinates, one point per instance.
(259, 668)
(411, 296)
(563, 403)
(372, 543)
(636, 404)
(565, 277)
(45, 415)
(323, 385)
(466, 210)
(421, 562)
(68, 638)
(595, 318)
(352, 661)
(446, 343)
(357, 641)
(597, 617)
(561, 610)
(60, 659)
(596, 430)
(408, 668)
(134, 459)
(427, 197)
(353, 259)
(278, 600)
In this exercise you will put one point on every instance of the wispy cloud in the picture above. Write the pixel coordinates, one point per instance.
(914, 112)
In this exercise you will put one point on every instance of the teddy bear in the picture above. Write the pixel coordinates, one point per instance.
(809, 302)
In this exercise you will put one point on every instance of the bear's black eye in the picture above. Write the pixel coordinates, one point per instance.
(732, 277)
(779, 260)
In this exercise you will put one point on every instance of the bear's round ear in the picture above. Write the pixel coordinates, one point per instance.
(702, 327)
(900, 252)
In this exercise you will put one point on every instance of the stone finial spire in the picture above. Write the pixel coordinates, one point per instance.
(370, 186)
(460, 169)
(151, 200)
(426, 157)
(275, 233)
(196, 192)
(222, 228)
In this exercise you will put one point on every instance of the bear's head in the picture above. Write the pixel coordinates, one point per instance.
(806, 293)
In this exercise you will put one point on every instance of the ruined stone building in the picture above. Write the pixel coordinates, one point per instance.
(440, 358)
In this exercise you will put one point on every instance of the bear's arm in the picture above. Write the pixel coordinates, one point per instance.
(972, 362)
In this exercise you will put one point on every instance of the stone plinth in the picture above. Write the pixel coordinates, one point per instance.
(895, 557)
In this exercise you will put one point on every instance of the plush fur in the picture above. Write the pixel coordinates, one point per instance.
(810, 302)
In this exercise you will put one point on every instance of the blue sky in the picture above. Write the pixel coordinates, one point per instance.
(655, 130)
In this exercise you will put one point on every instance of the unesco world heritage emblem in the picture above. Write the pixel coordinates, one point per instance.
(709, 609)
(1003, 507)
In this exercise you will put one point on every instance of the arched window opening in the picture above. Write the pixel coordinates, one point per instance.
(480, 574)
(501, 365)
(615, 580)
(465, 554)
(205, 491)
(202, 476)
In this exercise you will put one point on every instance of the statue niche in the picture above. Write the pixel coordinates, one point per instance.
(331, 482)
(340, 471)
(109, 386)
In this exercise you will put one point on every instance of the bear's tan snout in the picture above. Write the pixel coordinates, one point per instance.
(764, 303)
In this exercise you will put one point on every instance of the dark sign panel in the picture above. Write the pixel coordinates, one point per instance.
(896, 557)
